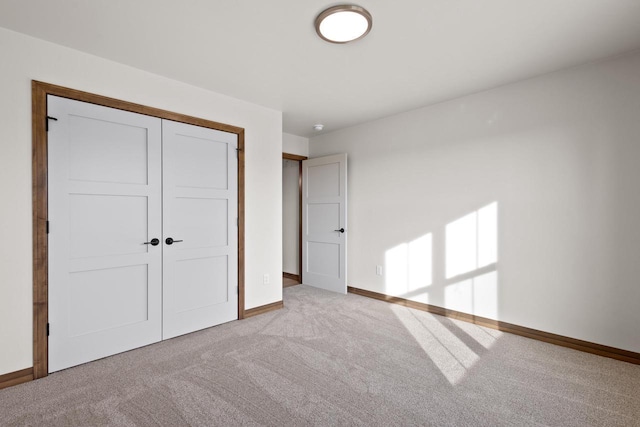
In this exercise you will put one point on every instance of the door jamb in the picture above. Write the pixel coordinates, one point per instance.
(39, 92)
(299, 159)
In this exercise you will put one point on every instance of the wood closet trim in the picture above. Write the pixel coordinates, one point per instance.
(39, 92)
(299, 159)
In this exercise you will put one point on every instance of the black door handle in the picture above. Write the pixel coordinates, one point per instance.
(171, 241)
(152, 242)
(341, 230)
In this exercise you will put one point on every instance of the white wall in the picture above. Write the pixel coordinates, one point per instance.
(558, 155)
(294, 144)
(290, 216)
(24, 59)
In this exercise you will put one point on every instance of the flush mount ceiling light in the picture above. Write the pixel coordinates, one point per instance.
(343, 24)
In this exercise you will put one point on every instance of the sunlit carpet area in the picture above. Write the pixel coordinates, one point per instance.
(330, 359)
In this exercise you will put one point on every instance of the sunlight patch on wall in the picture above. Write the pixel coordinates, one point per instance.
(420, 262)
(461, 245)
(408, 268)
(396, 262)
(488, 235)
(459, 296)
(471, 251)
(477, 295)
(472, 241)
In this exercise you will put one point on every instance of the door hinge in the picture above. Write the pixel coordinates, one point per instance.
(47, 227)
(47, 329)
(46, 122)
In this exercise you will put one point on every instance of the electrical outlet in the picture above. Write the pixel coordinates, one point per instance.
(265, 279)
(379, 270)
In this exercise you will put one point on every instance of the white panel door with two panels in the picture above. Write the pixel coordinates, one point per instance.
(115, 281)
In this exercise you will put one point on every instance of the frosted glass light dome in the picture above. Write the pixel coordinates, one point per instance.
(343, 24)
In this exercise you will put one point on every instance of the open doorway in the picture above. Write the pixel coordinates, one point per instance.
(291, 219)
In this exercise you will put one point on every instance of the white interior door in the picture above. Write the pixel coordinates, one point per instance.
(324, 213)
(104, 205)
(200, 215)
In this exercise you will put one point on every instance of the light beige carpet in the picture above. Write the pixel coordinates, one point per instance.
(329, 359)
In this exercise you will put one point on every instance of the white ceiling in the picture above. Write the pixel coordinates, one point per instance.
(266, 51)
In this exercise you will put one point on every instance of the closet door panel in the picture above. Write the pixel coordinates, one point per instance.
(200, 214)
(105, 202)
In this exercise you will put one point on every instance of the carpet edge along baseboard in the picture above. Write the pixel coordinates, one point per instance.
(263, 309)
(576, 344)
(15, 378)
(24, 375)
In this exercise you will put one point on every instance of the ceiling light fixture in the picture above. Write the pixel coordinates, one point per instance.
(343, 24)
(318, 127)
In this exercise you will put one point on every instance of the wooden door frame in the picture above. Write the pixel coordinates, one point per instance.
(299, 159)
(39, 92)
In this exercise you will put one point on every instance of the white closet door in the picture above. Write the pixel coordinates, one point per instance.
(200, 215)
(104, 204)
(324, 213)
